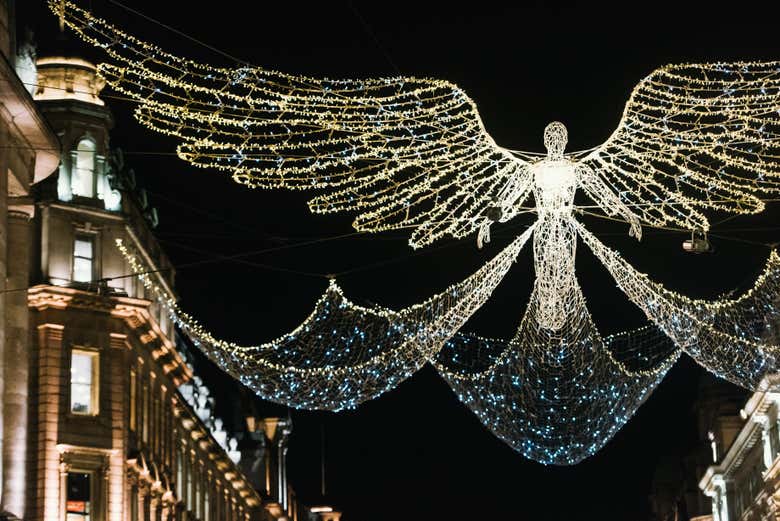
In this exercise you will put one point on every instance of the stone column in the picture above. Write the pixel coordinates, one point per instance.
(62, 496)
(4, 141)
(141, 498)
(118, 398)
(49, 391)
(254, 461)
(284, 435)
(16, 362)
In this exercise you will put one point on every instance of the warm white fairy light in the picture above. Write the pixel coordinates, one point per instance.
(342, 354)
(733, 338)
(413, 153)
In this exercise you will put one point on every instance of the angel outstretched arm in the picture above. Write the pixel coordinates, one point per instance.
(607, 199)
(507, 203)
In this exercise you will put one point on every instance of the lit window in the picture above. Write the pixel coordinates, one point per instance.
(83, 259)
(78, 505)
(132, 400)
(206, 509)
(145, 414)
(180, 475)
(84, 382)
(83, 182)
(190, 470)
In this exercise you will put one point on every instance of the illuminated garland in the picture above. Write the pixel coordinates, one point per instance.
(733, 338)
(413, 153)
(342, 354)
(557, 398)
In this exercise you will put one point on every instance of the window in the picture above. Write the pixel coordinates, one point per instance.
(180, 474)
(132, 401)
(84, 382)
(145, 414)
(134, 503)
(83, 258)
(156, 423)
(190, 470)
(78, 504)
(83, 182)
(206, 506)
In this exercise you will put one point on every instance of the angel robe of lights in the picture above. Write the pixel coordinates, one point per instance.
(411, 153)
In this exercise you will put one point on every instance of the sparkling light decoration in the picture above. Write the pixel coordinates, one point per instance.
(556, 398)
(733, 338)
(342, 354)
(410, 153)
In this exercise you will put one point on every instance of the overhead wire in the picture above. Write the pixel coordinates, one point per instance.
(180, 33)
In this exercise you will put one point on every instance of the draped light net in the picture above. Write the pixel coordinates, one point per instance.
(736, 339)
(342, 354)
(556, 398)
(412, 153)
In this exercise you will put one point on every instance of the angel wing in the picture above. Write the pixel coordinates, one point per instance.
(401, 152)
(695, 137)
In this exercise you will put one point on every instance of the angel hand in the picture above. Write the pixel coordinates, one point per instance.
(636, 229)
(483, 235)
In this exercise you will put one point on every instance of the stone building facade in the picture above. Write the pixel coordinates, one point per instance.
(103, 418)
(744, 482)
(29, 152)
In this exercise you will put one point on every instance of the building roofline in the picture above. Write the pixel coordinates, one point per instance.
(33, 127)
(754, 412)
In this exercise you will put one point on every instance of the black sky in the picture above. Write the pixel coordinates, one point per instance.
(416, 453)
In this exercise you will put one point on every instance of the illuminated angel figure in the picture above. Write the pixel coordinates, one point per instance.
(554, 181)
(413, 154)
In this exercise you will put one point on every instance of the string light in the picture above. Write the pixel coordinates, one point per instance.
(413, 153)
(342, 354)
(733, 338)
(556, 398)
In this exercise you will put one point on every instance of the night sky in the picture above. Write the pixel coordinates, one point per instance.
(416, 453)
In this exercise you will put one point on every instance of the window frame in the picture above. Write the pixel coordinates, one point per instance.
(132, 420)
(92, 491)
(76, 171)
(94, 384)
(92, 239)
(93, 462)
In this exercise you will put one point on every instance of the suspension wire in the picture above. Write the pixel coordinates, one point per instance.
(271, 249)
(367, 28)
(180, 33)
(217, 258)
(194, 209)
(682, 230)
(239, 260)
(94, 281)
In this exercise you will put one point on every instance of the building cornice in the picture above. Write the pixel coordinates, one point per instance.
(756, 415)
(88, 210)
(133, 311)
(200, 433)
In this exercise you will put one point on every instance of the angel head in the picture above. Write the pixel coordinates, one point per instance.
(555, 139)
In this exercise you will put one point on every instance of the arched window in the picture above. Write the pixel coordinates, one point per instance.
(83, 182)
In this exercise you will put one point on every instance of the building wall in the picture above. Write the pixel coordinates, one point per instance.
(145, 446)
(29, 152)
(132, 431)
(744, 484)
(142, 449)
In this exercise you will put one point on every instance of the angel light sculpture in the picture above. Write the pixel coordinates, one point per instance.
(410, 153)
